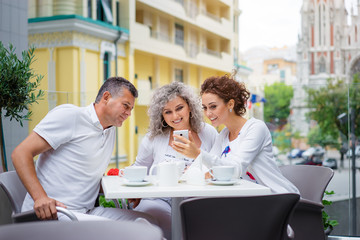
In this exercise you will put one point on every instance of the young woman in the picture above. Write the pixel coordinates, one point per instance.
(173, 107)
(243, 143)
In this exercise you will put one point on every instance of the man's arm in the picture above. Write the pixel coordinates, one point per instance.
(22, 158)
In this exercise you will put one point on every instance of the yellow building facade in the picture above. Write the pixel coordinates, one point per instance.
(79, 43)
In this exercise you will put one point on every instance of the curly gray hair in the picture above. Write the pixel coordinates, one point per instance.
(162, 96)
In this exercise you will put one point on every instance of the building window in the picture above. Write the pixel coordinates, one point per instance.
(322, 24)
(104, 12)
(117, 14)
(355, 33)
(282, 75)
(322, 65)
(236, 52)
(179, 34)
(106, 66)
(179, 75)
(150, 81)
(355, 68)
(272, 68)
(89, 9)
(180, 1)
(319, 23)
(234, 25)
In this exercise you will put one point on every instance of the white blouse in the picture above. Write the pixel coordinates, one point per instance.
(250, 152)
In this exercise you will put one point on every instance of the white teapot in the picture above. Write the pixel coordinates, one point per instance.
(167, 172)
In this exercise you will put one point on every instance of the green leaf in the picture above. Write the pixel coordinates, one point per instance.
(17, 88)
(325, 217)
(333, 223)
(104, 203)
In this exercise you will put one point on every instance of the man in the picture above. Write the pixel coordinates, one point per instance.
(75, 146)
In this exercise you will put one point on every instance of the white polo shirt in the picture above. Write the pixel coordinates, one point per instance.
(81, 150)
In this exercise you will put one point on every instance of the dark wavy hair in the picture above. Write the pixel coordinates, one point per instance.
(227, 88)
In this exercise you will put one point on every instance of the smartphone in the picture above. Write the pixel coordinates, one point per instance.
(182, 133)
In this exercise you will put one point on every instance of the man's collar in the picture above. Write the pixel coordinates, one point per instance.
(94, 117)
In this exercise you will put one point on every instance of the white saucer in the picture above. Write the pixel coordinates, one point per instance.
(136, 184)
(223, 183)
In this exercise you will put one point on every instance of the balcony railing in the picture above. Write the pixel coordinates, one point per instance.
(211, 52)
(191, 49)
(210, 15)
(179, 41)
(192, 10)
(161, 36)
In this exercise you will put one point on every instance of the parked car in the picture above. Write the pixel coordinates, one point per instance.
(295, 153)
(312, 160)
(330, 162)
(357, 151)
(313, 151)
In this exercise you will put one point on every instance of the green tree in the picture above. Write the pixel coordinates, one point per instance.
(354, 101)
(18, 85)
(282, 138)
(317, 137)
(328, 102)
(277, 107)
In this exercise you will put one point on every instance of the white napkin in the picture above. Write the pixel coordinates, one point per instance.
(195, 174)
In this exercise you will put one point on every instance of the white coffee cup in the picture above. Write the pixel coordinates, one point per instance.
(167, 173)
(135, 173)
(222, 173)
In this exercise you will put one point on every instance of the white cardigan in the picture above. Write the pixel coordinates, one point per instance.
(250, 151)
(152, 151)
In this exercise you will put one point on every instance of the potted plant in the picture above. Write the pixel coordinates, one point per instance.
(328, 223)
(18, 84)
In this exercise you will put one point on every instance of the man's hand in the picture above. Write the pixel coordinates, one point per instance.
(45, 208)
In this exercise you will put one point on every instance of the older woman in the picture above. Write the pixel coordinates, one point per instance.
(243, 143)
(173, 107)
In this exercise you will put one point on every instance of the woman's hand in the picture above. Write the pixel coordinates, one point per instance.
(186, 147)
(208, 175)
(134, 202)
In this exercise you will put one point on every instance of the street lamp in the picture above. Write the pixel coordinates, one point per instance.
(343, 118)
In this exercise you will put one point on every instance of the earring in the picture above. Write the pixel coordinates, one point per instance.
(230, 110)
(191, 116)
(162, 123)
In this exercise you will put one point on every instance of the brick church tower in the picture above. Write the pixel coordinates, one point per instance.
(328, 47)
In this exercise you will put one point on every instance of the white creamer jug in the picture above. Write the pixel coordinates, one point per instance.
(166, 173)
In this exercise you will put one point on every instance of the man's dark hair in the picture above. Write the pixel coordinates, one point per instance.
(115, 86)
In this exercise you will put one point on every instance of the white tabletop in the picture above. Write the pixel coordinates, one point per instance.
(114, 187)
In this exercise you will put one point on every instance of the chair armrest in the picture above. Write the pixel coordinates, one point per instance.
(310, 203)
(68, 213)
(30, 216)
